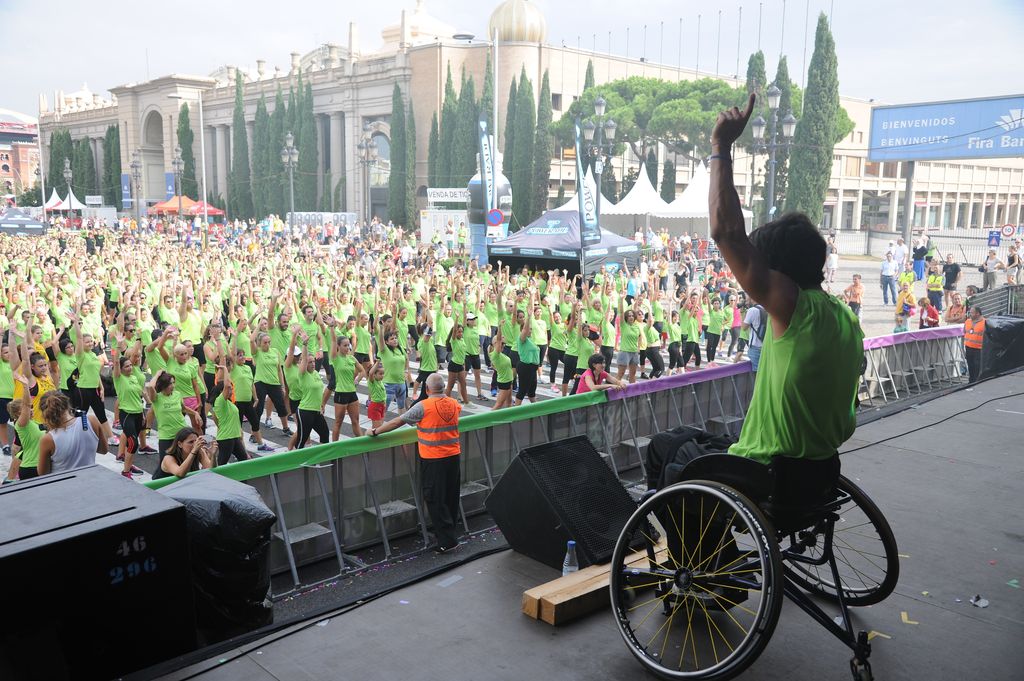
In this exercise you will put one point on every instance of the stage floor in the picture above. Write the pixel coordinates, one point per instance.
(951, 491)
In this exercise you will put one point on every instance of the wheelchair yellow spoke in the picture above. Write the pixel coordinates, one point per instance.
(666, 625)
(693, 640)
(656, 599)
(682, 649)
(649, 613)
(719, 548)
(720, 597)
(711, 637)
(654, 543)
(732, 572)
(705, 528)
(681, 532)
(732, 562)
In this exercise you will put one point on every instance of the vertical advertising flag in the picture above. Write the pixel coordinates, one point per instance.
(169, 183)
(486, 166)
(126, 189)
(588, 206)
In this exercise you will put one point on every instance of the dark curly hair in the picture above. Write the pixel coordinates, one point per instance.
(793, 246)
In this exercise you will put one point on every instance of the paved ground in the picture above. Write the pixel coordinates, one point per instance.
(948, 476)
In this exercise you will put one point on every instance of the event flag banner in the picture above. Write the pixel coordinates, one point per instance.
(588, 206)
(486, 166)
(969, 128)
(169, 184)
(126, 189)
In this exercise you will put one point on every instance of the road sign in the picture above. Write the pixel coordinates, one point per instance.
(495, 217)
(994, 238)
(1009, 231)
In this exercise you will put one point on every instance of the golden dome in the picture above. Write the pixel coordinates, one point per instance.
(518, 21)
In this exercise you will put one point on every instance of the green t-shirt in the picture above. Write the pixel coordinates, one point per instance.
(558, 340)
(345, 373)
(651, 335)
(675, 332)
(291, 377)
(428, 357)
(242, 378)
(30, 435)
(229, 425)
(89, 371)
(362, 344)
(267, 364)
(183, 376)
(129, 393)
(155, 362)
(539, 332)
(280, 340)
(716, 320)
(169, 419)
(394, 365)
(377, 392)
(312, 390)
(691, 326)
(529, 353)
(458, 348)
(629, 337)
(503, 365)
(805, 392)
(442, 326)
(7, 380)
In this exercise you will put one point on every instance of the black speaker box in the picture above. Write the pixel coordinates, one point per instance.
(96, 577)
(559, 491)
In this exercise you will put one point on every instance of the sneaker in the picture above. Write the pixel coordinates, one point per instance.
(494, 392)
(120, 458)
(252, 439)
(116, 426)
(264, 448)
(484, 398)
(126, 474)
(268, 424)
(147, 450)
(7, 450)
(113, 442)
(555, 389)
(644, 375)
(135, 470)
(287, 431)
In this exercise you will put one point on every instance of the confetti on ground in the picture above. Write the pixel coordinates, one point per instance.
(1015, 583)
(979, 602)
(991, 562)
(905, 618)
(448, 582)
(924, 593)
(323, 623)
(873, 634)
(404, 602)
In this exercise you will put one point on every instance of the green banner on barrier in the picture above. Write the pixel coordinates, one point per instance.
(287, 461)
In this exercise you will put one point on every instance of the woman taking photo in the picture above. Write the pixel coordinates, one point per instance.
(186, 452)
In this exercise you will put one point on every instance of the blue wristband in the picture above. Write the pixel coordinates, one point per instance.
(720, 156)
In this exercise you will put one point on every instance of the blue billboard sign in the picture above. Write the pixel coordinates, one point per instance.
(967, 128)
(169, 184)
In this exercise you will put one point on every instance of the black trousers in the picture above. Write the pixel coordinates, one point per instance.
(973, 356)
(441, 484)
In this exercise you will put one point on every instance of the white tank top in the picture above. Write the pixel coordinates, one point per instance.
(74, 445)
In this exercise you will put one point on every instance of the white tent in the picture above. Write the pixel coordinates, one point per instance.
(572, 203)
(642, 200)
(693, 202)
(75, 204)
(55, 202)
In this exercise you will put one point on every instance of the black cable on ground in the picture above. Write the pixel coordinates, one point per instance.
(266, 635)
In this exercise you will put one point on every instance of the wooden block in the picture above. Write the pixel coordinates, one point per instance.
(532, 597)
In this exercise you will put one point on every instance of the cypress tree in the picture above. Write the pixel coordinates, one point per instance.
(260, 170)
(397, 178)
(411, 213)
(509, 155)
(83, 165)
(433, 153)
(487, 98)
(186, 139)
(239, 188)
(542, 150)
(446, 167)
(651, 165)
(588, 80)
(785, 85)
(757, 82)
(306, 173)
(465, 143)
(627, 182)
(522, 169)
(668, 182)
(275, 170)
(60, 149)
(815, 138)
(112, 167)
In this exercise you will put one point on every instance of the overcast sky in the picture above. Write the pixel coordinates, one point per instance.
(893, 51)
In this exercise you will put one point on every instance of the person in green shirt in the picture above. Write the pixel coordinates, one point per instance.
(130, 413)
(243, 382)
(29, 432)
(89, 384)
(346, 369)
(6, 394)
(689, 319)
(629, 343)
(806, 387)
(652, 352)
(428, 356)
(674, 331)
(529, 356)
(715, 322)
(225, 411)
(556, 346)
(168, 407)
(457, 362)
(378, 394)
(502, 364)
(310, 418)
(269, 377)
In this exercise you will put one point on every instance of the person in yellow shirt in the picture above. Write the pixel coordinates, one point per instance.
(906, 302)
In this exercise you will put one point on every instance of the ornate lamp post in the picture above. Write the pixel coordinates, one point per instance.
(599, 135)
(290, 159)
(367, 158)
(773, 143)
(136, 167)
(178, 166)
(68, 176)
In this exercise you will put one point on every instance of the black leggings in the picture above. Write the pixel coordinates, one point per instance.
(131, 426)
(734, 338)
(311, 422)
(657, 363)
(691, 349)
(675, 355)
(228, 448)
(91, 400)
(570, 370)
(527, 381)
(249, 412)
(712, 344)
(263, 390)
(554, 356)
(74, 395)
(608, 352)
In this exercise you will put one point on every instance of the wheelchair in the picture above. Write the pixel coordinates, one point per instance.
(700, 569)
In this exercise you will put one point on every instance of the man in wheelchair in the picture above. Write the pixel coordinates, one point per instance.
(725, 535)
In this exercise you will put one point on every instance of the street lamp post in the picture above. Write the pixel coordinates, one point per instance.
(68, 176)
(367, 158)
(177, 165)
(290, 159)
(136, 167)
(202, 160)
(773, 144)
(600, 139)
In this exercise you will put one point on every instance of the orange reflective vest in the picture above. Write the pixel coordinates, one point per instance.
(438, 430)
(974, 333)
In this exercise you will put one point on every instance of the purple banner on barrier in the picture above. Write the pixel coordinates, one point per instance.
(669, 382)
(912, 336)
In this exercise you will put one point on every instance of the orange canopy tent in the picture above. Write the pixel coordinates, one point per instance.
(202, 207)
(171, 205)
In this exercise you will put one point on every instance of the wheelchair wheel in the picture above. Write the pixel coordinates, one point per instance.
(865, 552)
(696, 582)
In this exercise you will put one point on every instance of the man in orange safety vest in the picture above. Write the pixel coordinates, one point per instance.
(974, 337)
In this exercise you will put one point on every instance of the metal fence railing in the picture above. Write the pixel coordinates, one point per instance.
(364, 491)
(1002, 300)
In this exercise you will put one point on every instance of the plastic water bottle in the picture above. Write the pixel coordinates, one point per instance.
(570, 564)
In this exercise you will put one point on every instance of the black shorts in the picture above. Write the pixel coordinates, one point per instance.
(362, 357)
(504, 385)
(5, 417)
(473, 362)
(422, 376)
(345, 398)
(454, 368)
(514, 356)
(199, 352)
(293, 405)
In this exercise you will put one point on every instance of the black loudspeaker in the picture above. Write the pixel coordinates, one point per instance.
(97, 577)
(559, 491)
